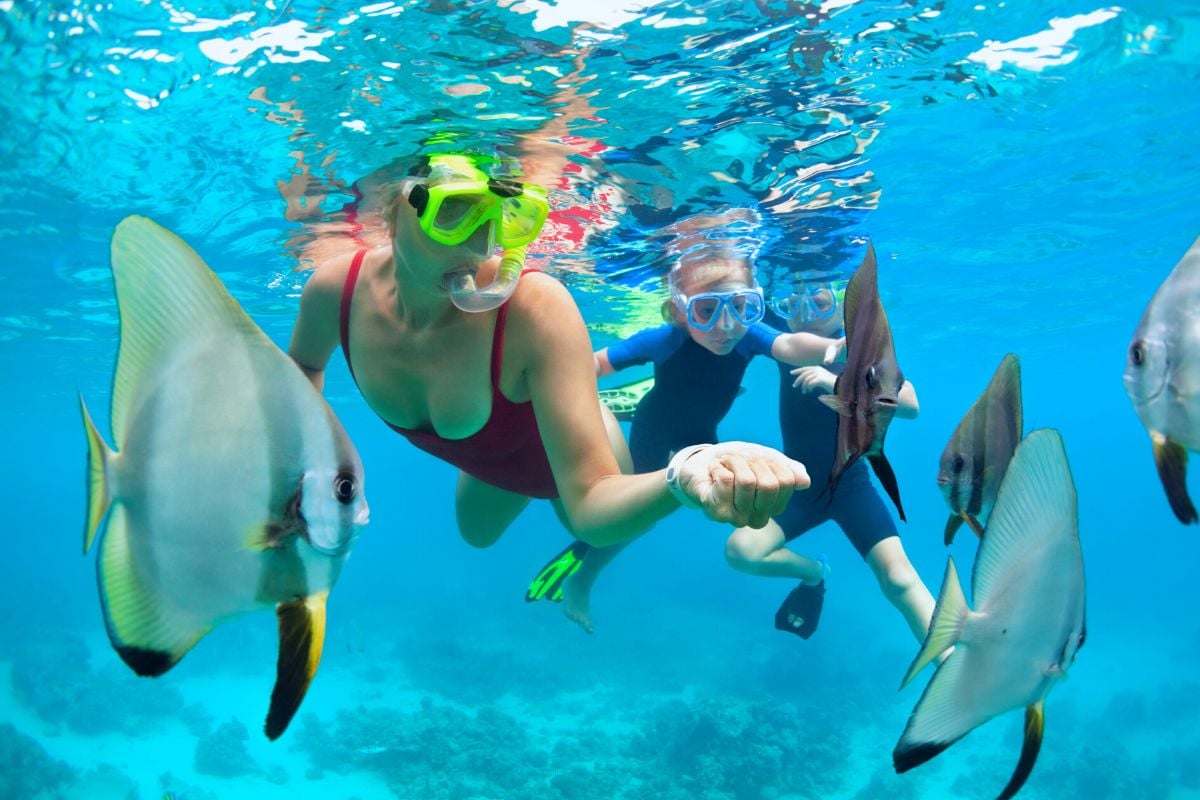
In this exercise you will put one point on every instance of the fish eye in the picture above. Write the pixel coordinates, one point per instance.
(959, 462)
(1137, 353)
(870, 377)
(345, 487)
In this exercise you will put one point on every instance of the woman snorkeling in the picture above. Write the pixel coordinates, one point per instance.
(486, 366)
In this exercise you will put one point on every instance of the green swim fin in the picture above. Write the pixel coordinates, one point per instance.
(548, 583)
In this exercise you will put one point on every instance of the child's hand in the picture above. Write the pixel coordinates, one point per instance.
(834, 350)
(813, 379)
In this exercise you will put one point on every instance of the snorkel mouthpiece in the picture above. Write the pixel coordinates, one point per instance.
(466, 296)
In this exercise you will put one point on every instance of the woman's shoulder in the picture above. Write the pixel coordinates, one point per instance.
(329, 277)
(541, 300)
(543, 320)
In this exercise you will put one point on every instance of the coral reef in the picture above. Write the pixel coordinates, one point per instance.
(52, 676)
(435, 752)
(181, 790)
(223, 752)
(105, 782)
(709, 749)
(716, 749)
(26, 769)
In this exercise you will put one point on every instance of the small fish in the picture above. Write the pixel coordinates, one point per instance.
(1162, 377)
(974, 461)
(233, 487)
(371, 749)
(1028, 623)
(866, 392)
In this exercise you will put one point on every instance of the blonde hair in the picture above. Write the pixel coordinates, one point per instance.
(702, 268)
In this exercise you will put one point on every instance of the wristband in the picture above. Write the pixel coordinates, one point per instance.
(676, 467)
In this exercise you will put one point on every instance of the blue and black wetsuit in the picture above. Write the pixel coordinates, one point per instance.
(693, 388)
(809, 430)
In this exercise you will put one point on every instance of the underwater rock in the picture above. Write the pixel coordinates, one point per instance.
(26, 769)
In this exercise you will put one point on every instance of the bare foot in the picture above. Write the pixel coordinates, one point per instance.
(577, 602)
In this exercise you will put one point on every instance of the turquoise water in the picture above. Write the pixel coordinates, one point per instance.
(1026, 195)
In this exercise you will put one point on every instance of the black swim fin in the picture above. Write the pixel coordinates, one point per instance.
(548, 583)
(801, 610)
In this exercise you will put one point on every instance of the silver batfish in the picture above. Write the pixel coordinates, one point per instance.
(866, 392)
(1162, 377)
(974, 461)
(232, 486)
(1028, 622)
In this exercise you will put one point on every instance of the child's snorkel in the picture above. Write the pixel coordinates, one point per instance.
(456, 200)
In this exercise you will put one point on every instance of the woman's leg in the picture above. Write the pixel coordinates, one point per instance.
(483, 511)
(577, 590)
(901, 584)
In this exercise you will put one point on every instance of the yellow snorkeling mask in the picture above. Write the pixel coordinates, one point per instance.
(456, 199)
(452, 205)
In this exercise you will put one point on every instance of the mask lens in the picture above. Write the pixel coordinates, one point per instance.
(822, 302)
(703, 311)
(748, 307)
(522, 218)
(787, 307)
(455, 210)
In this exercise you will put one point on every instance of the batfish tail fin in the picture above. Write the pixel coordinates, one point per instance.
(143, 630)
(835, 475)
(301, 640)
(1035, 722)
(98, 497)
(887, 478)
(1171, 459)
(945, 626)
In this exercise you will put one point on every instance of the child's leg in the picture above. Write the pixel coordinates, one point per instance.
(483, 511)
(763, 551)
(577, 590)
(901, 584)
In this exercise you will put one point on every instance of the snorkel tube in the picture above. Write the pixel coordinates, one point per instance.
(466, 296)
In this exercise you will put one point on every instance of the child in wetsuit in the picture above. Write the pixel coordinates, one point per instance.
(714, 328)
(809, 430)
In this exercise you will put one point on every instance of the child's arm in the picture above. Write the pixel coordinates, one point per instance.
(637, 349)
(603, 365)
(802, 349)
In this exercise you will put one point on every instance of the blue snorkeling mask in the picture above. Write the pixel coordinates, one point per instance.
(817, 301)
(704, 310)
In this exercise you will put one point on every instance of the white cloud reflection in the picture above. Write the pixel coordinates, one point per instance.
(1042, 49)
(290, 42)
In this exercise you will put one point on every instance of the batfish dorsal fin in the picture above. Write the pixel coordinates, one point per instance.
(164, 291)
(1005, 386)
(1036, 500)
(144, 632)
(864, 284)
